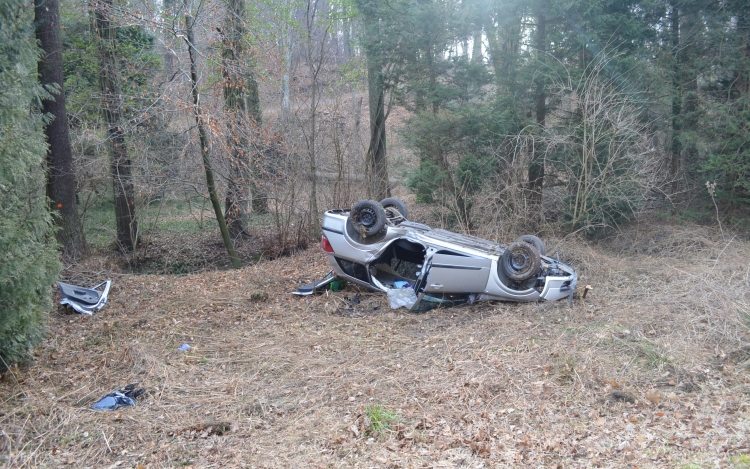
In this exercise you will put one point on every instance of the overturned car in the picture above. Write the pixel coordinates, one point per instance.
(376, 246)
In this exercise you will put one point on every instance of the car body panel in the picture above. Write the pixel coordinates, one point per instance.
(436, 262)
(457, 274)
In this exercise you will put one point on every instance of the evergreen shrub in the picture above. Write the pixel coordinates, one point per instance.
(28, 250)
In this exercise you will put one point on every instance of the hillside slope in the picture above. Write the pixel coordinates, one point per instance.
(650, 370)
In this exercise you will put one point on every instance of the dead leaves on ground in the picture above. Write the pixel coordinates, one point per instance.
(274, 380)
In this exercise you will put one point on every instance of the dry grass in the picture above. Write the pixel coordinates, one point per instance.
(650, 370)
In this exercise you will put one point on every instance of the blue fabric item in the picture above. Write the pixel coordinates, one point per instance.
(120, 398)
(401, 284)
(113, 401)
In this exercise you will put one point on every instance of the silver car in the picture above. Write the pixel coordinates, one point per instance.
(376, 246)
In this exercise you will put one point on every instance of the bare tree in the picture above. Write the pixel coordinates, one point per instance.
(315, 50)
(189, 38)
(109, 85)
(608, 161)
(242, 101)
(286, 45)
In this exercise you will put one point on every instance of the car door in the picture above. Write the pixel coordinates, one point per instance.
(453, 272)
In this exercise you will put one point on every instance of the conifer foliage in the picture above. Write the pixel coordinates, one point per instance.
(28, 250)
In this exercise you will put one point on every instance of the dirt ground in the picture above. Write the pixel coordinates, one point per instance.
(650, 370)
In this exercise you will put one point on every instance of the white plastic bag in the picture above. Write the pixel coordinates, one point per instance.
(398, 297)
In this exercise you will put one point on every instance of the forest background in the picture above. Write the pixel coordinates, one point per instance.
(143, 141)
(502, 117)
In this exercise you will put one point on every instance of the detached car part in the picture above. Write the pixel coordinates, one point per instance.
(376, 246)
(85, 300)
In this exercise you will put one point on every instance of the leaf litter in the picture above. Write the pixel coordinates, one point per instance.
(650, 370)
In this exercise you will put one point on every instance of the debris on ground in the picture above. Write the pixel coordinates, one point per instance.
(85, 300)
(330, 282)
(398, 297)
(121, 398)
(491, 385)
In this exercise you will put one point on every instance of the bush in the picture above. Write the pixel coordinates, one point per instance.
(600, 148)
(458, 154)
(28, 257)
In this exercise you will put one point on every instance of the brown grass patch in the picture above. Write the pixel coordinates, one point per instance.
(650, 370)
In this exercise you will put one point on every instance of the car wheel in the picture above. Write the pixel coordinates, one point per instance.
(521, 261)
(367, 218)
(392, 202)
(534, 241)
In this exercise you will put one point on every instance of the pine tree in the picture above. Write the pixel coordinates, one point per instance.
(28, 257)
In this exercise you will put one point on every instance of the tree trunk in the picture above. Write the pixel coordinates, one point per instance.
(496, 44)
(170, 58)
(433, 78)
(61, 178)
(742, 76)
(314, 218)
(536, 168)
(315, 65)
(691, 30)
(243, 106)
(375, 159)
(286, 94)
(203, 137)
(476, 50)
(675, 144)
(109, 83)
(347, 40)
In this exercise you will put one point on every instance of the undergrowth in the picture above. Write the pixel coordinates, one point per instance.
(381, 419)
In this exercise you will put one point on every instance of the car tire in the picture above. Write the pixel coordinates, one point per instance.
(392, 202)
(367, 218)
(534, 241)
(521, 261)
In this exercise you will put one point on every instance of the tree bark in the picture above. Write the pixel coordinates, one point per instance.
(375, 159)
(476, 50)
(242, 102)
(536, 168)
(286, 93)
(61, 178)
(170, 58)
(109, 83)
(347, 40)
(691, 31)
(433, 78)
(315, 65)
(675, 165)
(493, 49)
(203, 138)
(742, 77)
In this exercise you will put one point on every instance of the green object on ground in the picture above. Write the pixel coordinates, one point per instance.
(337, 285)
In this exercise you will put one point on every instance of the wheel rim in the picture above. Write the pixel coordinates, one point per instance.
(367, 218)
(519, 260)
